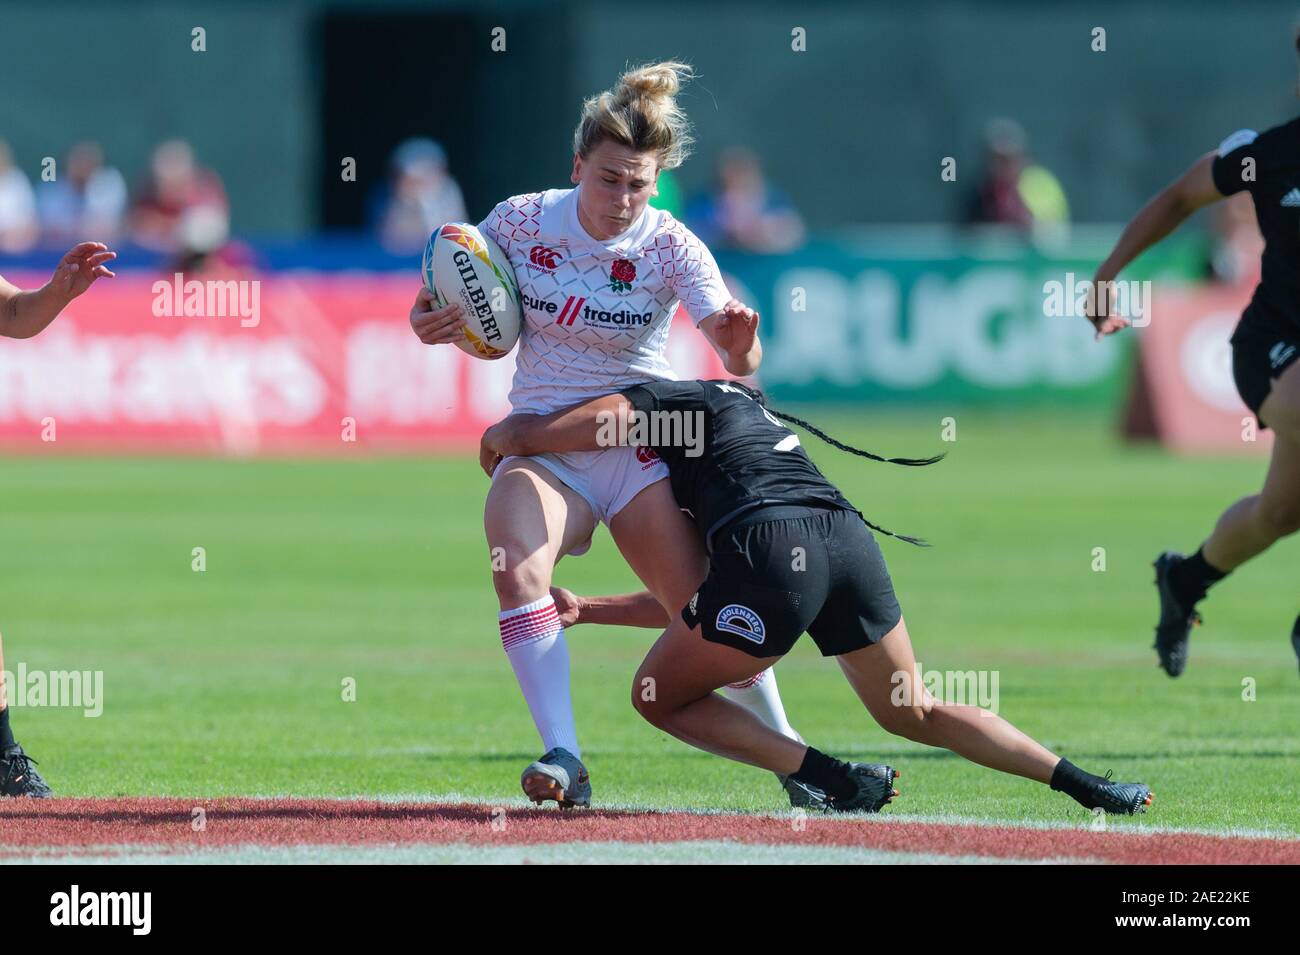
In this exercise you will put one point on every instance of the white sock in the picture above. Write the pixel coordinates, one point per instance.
(760, 696)
(534, 641)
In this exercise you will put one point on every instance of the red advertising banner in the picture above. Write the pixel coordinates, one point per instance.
(1184, 393)
(285, 363)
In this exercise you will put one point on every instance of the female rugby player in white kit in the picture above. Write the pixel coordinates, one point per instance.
(601, 274)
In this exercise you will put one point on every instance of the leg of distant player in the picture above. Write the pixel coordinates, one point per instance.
(532, 519)
(1254, 523)
(1247, 528)
(664, 550)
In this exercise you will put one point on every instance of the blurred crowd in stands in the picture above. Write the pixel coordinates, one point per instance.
(741, 211)
(176, 205)
(1013, 190)
(179, 208)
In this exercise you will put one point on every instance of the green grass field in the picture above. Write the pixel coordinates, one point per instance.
(229, 681)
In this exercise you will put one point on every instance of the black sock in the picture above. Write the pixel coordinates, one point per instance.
(827, 773)
(1191, 578)
(1074, 782)
(6, 734)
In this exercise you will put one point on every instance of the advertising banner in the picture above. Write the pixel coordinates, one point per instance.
(288, 363)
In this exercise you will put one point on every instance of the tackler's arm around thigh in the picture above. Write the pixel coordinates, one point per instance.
(589, 426)
(640, 609)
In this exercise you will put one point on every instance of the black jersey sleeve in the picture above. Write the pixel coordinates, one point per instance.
(667, 396)
(1242, 159)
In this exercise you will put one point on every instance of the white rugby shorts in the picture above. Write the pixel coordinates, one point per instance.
(606, 479)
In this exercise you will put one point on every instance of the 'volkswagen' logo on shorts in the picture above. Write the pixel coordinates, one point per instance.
(743, 622)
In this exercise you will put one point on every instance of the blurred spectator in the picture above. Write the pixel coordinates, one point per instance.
(744, 212)
(18, 228)
(87, 198)
(181, 206)
(1014, 190)
(420, 195)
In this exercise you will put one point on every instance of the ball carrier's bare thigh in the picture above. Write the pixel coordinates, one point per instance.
(532, 519)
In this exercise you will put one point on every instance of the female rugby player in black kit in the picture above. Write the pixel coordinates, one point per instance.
(787, 553)
(1265, 349)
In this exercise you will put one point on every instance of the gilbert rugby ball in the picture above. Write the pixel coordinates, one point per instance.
(463, 265)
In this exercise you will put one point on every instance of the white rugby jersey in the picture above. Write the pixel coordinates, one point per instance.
(596, 314)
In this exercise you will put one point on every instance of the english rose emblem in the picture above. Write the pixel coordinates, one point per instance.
(621, 275)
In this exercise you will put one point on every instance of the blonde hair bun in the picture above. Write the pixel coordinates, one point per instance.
(640, 112)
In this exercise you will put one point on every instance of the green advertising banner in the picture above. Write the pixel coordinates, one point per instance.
(858, 320)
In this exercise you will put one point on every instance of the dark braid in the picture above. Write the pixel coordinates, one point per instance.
(908, 462)
(918, 541)
(811, 429)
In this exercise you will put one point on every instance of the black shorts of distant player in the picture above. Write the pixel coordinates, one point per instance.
(1261, 351)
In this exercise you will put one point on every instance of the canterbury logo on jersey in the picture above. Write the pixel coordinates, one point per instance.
(545, 258)
(1279, 353)
(1291, 199)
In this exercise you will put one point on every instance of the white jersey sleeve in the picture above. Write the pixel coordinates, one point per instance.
(513, 221)
(689, 269)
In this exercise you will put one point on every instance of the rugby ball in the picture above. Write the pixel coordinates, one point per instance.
(463, 265)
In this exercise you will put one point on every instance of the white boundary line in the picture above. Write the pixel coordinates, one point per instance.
(691, 852)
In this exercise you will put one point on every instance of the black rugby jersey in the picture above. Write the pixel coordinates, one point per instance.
(1268, 165)
(726, 453)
